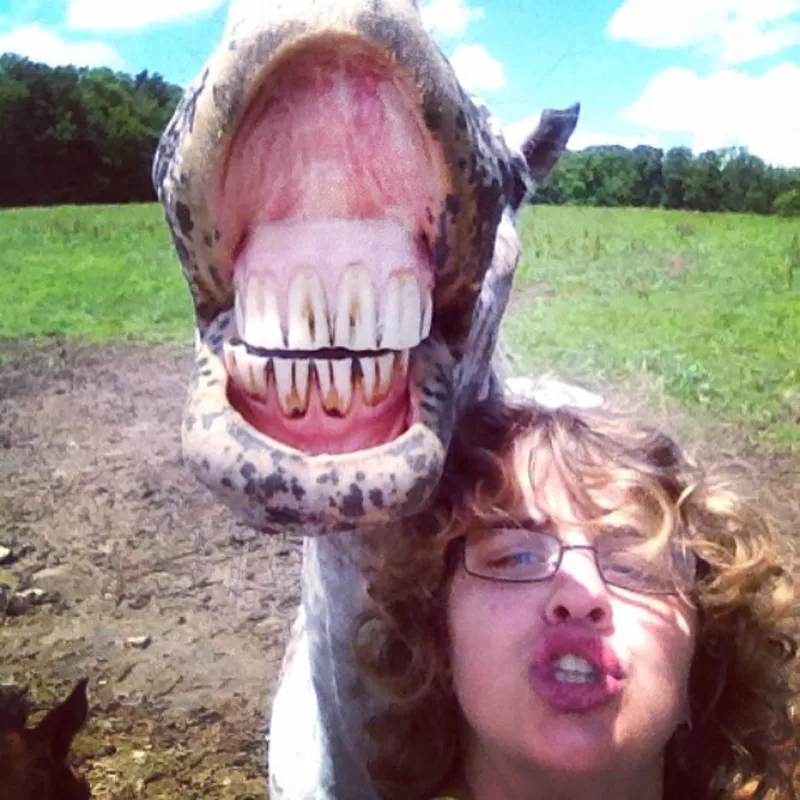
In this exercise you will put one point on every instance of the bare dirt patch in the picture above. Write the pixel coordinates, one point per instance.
(677, 264)
(99, 513)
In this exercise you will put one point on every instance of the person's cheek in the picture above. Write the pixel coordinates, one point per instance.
(655, 644)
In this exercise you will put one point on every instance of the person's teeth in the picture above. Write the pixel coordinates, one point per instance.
(574, 669)
(573, 663)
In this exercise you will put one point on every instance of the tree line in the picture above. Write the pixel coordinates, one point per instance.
(80, 135)
(729, 179)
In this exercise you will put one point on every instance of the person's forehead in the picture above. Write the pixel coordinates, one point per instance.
(547, 492)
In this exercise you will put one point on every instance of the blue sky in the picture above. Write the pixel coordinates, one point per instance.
(705, 73)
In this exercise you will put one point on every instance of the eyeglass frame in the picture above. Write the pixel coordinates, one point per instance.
(701, 571)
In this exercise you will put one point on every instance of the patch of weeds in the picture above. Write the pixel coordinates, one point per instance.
(684, 379)
(792, 261)
(596, 248)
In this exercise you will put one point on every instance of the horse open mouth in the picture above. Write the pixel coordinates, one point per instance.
(328, 207)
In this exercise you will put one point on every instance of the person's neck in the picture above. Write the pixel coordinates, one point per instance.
(488, 777)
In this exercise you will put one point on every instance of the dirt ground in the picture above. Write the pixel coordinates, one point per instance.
(99, 513)
(177, 615)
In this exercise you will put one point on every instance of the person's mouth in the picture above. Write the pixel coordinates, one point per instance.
(575, 671)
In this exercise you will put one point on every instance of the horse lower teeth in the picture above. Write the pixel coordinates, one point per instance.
(292, 381)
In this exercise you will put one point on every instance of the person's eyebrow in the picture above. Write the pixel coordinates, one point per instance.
(541, 525)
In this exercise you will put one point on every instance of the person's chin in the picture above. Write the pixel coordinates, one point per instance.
(578, 742)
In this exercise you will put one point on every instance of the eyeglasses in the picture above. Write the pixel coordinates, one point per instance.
(624, 559)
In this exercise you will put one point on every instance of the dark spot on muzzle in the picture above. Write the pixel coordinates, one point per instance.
(353, 502)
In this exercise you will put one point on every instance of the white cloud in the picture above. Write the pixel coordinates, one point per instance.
(734, 30)
(477, 70)
(727, 108)
(745, 43)
(449, 19)
(133, 14)
(679, 23)
(38, 44)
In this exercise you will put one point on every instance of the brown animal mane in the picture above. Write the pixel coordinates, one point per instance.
(14, 708)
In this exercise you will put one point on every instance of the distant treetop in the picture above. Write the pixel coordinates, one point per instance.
(78, 135)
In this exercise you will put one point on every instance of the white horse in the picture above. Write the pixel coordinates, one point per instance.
(345, 216)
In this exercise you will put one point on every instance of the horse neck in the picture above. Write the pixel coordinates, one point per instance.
(332, 598)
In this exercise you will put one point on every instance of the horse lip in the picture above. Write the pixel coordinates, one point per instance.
(274, 487)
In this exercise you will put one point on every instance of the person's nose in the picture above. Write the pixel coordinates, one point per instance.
(578, 592)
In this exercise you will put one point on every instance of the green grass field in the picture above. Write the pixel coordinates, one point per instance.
(708, 306)
(94, 272)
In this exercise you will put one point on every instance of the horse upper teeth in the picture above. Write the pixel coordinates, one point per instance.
(261, 319)
(356, 316)
(353, 319)
(308, 314)
(402, 313)
(360, 318)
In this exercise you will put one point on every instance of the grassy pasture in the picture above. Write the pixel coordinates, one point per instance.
(91, 272)
(708, 306)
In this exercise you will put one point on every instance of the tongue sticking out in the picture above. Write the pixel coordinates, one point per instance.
(328, 202)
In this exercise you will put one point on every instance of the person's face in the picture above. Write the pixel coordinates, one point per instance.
(570, 673)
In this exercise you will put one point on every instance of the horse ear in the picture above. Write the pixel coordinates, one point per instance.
(59, 727)
(544, 146)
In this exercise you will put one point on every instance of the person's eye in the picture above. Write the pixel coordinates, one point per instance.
(626, 565)
(517, 558)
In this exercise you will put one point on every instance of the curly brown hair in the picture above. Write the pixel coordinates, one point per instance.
(743, 726)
